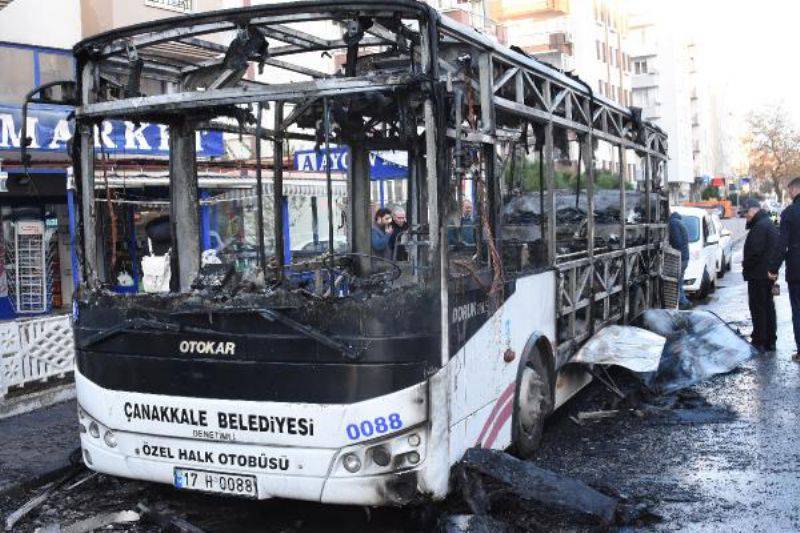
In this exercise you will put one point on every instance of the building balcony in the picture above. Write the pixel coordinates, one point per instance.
(503, 10)
(561, 60)
(479, 22)
(643, 81)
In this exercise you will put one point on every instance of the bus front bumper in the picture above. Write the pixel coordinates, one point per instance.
(368, 453)
(319, 474)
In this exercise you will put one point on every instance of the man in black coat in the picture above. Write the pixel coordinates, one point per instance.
(760, 250)
(789, 250)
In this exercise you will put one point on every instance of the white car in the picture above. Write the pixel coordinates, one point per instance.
(700, 277)
(725, 254)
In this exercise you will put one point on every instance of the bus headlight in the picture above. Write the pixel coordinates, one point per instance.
(399, 452)
(94, 429)
(110, 439)
(351, 463)
(381, 456)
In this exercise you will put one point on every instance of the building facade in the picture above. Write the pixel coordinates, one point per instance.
(36, 275)
(587, 38)
(666, 90)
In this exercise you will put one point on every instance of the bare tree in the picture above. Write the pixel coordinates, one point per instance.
(773, 142)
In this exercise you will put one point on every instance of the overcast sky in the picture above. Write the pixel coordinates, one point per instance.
(753, 47)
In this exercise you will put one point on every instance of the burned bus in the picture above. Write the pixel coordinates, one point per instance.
(244, 364)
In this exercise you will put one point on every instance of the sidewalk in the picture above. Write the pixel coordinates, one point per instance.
(37, 445)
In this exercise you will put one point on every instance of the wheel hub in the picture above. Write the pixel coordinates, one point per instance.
(531, 399)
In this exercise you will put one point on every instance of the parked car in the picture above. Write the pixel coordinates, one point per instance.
(700, 278)
(725, 255)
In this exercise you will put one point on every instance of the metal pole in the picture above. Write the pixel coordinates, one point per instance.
(328, 182)
(277, 192)
(262, 253)
(184, 212)
(623, 163)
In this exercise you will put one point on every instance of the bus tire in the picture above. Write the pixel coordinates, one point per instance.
(705, 285)
(533, 401)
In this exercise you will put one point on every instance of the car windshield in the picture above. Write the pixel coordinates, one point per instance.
(692, 225)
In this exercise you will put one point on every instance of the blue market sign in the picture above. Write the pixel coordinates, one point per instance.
(382, 165)
(50, 131)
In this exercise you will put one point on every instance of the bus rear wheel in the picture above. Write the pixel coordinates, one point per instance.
(532, 405)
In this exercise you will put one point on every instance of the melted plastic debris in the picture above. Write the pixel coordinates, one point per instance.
(675, 350)
(634, 348)
(699, 345)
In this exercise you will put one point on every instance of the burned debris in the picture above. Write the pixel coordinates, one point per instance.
(491, 478)
(672, 350)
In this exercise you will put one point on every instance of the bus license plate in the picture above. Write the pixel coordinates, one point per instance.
(217, 482)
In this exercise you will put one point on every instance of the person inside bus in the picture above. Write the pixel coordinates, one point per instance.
(382, 233)
(159, 232)
(463, 234)
(399, 234)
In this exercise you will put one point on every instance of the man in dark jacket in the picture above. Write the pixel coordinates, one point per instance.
(679, 240)
(789, 250)
(382, 233)
(760, 250)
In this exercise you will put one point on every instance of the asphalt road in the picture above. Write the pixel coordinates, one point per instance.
(727, 460)
(729, 466)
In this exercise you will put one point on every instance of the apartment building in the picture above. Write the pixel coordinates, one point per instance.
(588, 38)
(664, 86)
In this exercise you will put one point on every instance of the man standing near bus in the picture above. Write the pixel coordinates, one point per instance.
(399, 234)
(679, 240)
(382, 233)
(760, 250)
(789, 250)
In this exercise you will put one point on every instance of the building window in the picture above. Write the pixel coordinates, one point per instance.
(600, 86)
(55, 67)
(16, 64)
(599, 50)
(640, 66)
(645, 97)
(605, 53)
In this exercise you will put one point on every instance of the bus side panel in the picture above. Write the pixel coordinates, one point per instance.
(482, 383)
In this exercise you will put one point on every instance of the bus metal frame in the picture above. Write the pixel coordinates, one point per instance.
(510, 89)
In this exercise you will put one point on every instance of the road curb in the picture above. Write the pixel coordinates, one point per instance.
(37, 400)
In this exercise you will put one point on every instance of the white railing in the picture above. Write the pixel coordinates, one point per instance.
(35, 349)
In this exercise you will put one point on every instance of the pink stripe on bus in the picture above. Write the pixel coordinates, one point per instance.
(500, 401)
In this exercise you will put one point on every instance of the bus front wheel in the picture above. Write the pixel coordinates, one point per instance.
(533, 402)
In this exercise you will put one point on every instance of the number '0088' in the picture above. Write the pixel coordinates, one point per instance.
(377, 426)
